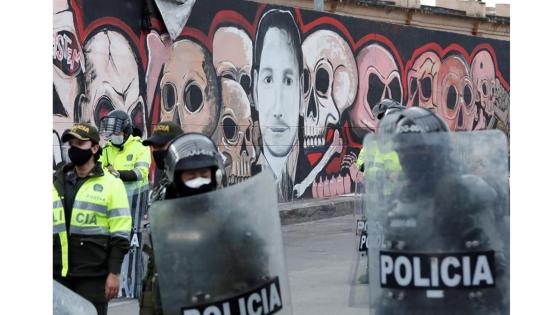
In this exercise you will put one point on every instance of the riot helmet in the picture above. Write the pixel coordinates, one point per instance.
(385, 107)
(193, 152)
(421, 158)
(116, 127)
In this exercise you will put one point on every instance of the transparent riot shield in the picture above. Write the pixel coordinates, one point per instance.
(443, 236)
(67, 302)
(133, 266)
(221, 252)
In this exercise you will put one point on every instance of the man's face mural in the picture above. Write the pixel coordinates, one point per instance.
(112, 80)
(421, 80)
(455, 94)
(484, 80)
(277, 92)
(234, 134)
(233, 56)
(379, 79)
(190, 95)
(330, 84)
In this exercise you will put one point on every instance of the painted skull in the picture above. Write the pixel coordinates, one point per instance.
(112, 80)
(190, 95)
(330, 84)
(234, 134)
(421, 80)
(454, 95)
(379, 79)
(484, 80)
(233, 55)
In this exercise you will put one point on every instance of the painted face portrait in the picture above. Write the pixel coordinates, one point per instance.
(278, 92)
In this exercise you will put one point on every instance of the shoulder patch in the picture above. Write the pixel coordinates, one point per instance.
(129, 157)
(98, 187)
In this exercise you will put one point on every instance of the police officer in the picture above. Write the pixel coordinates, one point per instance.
(450, 212)
(163, 134)
(91, 221)
(124, 155)
(382, 108)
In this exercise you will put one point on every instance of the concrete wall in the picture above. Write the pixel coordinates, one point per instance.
(306, 116)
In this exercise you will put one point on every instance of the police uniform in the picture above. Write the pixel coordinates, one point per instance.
(91, 228)
(163, 133)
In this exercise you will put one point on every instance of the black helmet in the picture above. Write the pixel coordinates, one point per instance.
(422, 157)
(192, 151)
(115, 122)
(385, 107)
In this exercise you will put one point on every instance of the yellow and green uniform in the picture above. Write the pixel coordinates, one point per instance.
(96, 238)
(132, 156)
(388, 162)
(60, 237)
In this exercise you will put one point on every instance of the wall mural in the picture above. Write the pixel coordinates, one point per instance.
(274, 87)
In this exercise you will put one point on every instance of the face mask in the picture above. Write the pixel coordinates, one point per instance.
(158, 158)
(79, 156)
(117, 140)
(197, 182)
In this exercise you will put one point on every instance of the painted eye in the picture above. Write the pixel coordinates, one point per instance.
(137, 116)
(395, 87)
(375, 90)
(467, 95)
(102, 109)
(169, 98)
(231, 130)
(322, 81)
(426, 84)
(288, 81)
(245, 82)
(228, 76)
(413, 86)
(451, 97)
(268, 79)
(192, 97)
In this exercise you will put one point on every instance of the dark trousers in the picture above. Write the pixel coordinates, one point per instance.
(90, 288)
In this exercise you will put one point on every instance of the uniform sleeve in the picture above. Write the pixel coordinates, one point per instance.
(360, 161)
(142, 164)
(103, 156)
(120, 226)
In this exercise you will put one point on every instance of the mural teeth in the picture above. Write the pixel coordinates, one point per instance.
(315, 142)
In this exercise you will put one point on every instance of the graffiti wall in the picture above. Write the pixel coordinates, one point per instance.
(275, 87)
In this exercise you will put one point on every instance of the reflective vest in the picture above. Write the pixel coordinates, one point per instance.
(388, 162)
(100, 211)
(134, 156)
(60, 237)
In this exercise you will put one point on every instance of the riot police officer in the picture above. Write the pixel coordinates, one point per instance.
(194, 167)
(442, 210)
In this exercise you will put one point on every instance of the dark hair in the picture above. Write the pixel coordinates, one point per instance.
(283, 20)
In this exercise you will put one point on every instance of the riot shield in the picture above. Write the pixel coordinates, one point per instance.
(358, 277)
(67, 302)
(133, 266)
(221, 252)
(443, 236)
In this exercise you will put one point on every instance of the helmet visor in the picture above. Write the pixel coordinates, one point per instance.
(111, 126)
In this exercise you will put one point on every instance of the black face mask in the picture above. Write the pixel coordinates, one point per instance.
(158, 158)
(79, 156)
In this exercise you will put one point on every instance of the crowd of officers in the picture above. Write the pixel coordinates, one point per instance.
(92, 220)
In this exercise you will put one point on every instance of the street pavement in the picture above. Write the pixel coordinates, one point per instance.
(319, 258)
